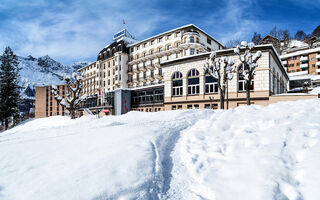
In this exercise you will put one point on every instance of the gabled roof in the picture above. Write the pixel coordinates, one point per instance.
(269, 36)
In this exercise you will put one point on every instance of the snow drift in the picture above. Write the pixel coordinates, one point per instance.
(245, 153)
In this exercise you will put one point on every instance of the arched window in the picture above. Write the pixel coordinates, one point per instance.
(198, 41)
(242, 81)
(177, 85)
(211, 83)
(191, 39)
(193, 82)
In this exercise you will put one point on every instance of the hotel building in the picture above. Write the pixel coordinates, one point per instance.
(165, 72)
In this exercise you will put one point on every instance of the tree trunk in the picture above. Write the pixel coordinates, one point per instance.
(221, 99)
(72, 113)
(248, 91)
(6, 124)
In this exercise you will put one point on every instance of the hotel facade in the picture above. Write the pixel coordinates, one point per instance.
(165, 72)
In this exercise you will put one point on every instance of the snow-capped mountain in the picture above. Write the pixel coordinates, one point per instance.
(41, 71)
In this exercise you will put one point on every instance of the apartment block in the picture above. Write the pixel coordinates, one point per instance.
(46, 105)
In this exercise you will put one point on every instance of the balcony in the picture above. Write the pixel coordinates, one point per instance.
(158, 76)
(304, 58)
(304, 66)
(189, 44)
(150, 66)
(157, 54)
(135, 68)
(284, 62)
(318, 70)
(130, 72)
(189, 33)
(318, 55)
(142, 68)
(318, 63)
(298, 73)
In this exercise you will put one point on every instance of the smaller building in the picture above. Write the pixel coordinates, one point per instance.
(45, 104)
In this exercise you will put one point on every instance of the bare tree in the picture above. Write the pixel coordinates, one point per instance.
(248, 65)
(256, 38)
(220, 69)
(73, 98)
(232, 43)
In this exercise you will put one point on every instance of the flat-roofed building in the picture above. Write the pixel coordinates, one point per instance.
(46, 105)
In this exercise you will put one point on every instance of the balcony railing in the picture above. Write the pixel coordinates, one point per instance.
(318, 63)
(304, 66)
(304, 58)
(157, 54)
(318, 55)
(284, 62)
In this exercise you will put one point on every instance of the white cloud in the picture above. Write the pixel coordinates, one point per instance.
(78, 31)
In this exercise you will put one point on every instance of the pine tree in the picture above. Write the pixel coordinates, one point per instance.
(256, 38)
(300, 35)
(316, 32)
(9, 88)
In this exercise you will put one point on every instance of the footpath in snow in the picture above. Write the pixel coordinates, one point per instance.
(245, 153)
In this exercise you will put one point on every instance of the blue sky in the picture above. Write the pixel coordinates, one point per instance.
(76, 30)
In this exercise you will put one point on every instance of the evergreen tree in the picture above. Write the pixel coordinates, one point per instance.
(300, 35)
(256, 38)
(9, 88)
(316, 32)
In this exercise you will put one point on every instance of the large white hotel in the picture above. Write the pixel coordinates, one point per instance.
(165, 72)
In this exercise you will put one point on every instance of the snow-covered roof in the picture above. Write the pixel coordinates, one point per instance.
(86, 65)
(297, 43)
(302, 52)
(173, 30)
(231, 49)
(302, 77)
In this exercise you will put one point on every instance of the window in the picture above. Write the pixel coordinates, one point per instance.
(152, 42)
(174, 107)
(191, 39)
(196, 106)
(242, 81)
(211, 83)
(189, 106)
(191, 51)
(179, 107)
(169, 46)
(151, 52)
(208, 41)
(160, 49)
(168, 37)
(313, 59)
(193, 82)
(160, 39)
(145, 44)
(313, 65)
(177, 84)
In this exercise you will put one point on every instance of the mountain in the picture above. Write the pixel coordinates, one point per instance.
(41, 71)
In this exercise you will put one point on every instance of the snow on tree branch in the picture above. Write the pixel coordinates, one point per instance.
(222, 69)
(73, 99)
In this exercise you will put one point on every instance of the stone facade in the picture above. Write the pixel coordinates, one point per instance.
(269, 71)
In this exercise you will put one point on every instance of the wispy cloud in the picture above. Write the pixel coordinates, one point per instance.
(75, 30)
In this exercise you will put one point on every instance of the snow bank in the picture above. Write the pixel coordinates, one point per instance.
(246, 153)
(315, 90)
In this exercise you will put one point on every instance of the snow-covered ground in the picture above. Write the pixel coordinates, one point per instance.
(245, 153)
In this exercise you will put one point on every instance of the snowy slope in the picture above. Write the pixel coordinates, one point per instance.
(245, 153)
